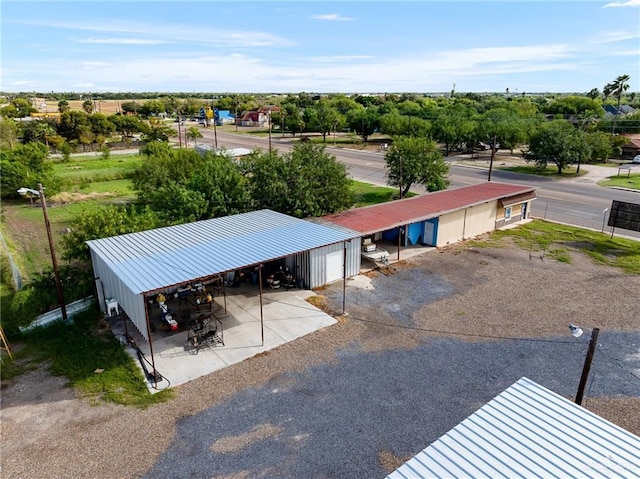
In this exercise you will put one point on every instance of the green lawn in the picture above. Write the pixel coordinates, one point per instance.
(87, 169)
(367, 194)
(558, 241)
(550, 171)
(633, 181)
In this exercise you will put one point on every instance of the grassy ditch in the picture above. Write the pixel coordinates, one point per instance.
(90, 357)
(559, 241)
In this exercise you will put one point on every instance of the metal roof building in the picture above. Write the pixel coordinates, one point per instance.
(385, 216)
(528, 431)
(129, 266)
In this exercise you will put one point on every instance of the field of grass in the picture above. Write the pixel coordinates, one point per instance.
(558, 241)
(367, 194)
(86, 169)
(622, 181)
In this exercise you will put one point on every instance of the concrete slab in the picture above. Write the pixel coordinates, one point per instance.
(286, 317)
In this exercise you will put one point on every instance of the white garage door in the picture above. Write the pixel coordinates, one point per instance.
(334, 267)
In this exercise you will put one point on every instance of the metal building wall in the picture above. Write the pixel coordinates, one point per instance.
(317, 262)
(114, 287)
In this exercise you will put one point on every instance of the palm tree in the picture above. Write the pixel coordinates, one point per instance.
(194, 134)
(616, 88)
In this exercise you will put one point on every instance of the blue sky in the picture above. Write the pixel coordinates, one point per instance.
(316, 46)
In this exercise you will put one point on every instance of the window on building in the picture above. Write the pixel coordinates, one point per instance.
(507, 213)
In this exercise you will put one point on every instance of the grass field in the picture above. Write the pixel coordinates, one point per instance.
(549, 171)
(622, 181)
(367, 194)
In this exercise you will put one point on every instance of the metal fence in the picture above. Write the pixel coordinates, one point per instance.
(15, 272)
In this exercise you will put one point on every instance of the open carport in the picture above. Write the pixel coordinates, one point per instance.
(286, 313)
(133, 271)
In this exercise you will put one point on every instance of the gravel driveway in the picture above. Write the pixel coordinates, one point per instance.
(421, 349)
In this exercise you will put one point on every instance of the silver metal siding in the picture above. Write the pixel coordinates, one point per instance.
(317, 258)
(529, 431)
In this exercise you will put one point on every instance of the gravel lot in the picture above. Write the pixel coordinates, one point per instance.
(422, 349)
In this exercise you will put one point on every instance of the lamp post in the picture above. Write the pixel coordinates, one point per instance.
(576, 332)
(40, 192)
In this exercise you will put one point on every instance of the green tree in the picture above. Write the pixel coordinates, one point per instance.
(63, 105)
(127, 125)
(8, 133)
(322, 117)
(151, 108)
(88, 106)
(504, 125)
(182, 185)
(307, 181)
(415, 161)
(194, 133)
(560, 143)
(17, 108)
(293, 119)
(129, 107)
(25, 166)
(601, 146)
(72, 124)
(157, 130)
(364, 121)
(616, 88)
(101, 125)
(455, 126)
(104, 222)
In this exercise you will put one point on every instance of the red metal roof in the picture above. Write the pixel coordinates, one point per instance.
(372, 219)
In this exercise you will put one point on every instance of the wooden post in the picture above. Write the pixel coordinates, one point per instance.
(54, 260)
(587, 365)
(493, 154)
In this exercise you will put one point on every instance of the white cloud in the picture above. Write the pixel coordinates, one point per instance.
(338, 58)
(333, 17)
(167, 32)
(124, 41)
(612, 37)
(628, 3)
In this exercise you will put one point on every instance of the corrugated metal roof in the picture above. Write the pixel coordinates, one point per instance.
(151, 260)
(529, 431)
(371, 219)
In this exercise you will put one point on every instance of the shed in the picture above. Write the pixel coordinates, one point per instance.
(443, 217)
(130, 267)
(528, 431)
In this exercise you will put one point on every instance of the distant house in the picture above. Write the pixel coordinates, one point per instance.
(631, 149)
(258, 117)
(611, 110)
(253, 118)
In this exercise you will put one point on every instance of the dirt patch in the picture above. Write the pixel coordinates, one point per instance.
(234, 444)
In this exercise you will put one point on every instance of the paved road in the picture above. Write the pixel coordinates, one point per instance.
(572, 202)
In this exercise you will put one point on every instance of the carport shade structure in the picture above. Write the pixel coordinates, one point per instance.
(132, 266)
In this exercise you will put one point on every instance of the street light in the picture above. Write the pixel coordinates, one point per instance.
(40, 192)
(576, 332)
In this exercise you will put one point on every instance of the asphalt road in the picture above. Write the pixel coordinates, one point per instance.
(566, 202)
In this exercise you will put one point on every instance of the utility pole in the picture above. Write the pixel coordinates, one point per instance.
(179, 131)
(493, 154)
(54, 260)
(269, 115)
(587, 365)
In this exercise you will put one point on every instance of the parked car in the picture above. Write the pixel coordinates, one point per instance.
(636, 159)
